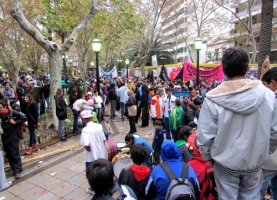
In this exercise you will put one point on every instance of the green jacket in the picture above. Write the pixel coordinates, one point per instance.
(176, 117)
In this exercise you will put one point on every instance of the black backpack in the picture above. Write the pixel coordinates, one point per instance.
(179, 188)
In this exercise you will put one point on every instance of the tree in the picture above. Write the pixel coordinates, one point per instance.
(53, 49)
(266, 31)
(32, 56)
(246, 26)
(160, 50)
(11, 48)
(150, 11)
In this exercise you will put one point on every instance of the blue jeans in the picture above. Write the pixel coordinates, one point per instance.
(167, 130)
(61, 129)
(32, 134)
(38, 110)
(122, 110)
(75, 123)
(269, 180)
(98, 114)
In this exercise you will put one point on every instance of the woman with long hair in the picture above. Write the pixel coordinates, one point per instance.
(136, 92)
(30, 109)
(143, 104)
(61, 112)
(72, 98)
(130, 102)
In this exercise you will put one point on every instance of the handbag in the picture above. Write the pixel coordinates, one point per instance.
(132, 110)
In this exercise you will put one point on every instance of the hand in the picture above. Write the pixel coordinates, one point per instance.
(12, 121)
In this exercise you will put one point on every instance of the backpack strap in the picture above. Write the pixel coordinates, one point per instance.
(185, 171)
(167, 169)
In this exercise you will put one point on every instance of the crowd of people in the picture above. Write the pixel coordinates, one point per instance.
(217, 142)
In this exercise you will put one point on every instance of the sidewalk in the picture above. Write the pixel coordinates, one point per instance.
(62, 176)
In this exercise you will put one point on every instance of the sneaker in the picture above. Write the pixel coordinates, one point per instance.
(89, 191)
(17, 176)
(9, 183)
(63, 139)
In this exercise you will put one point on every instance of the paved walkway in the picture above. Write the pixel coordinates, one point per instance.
(62, 176)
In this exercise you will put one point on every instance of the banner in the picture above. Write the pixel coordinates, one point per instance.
(173, 71)
(163, 75)
(150, 76)
(209, 74)
(180, 75)
(181, 94)
(110, 74)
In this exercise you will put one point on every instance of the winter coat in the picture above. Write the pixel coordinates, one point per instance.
(31, 112)
(136, 178)
(61, 111)
(158, 139)
(11, 131)
(238, 116)
(190, 114)
(158, 181)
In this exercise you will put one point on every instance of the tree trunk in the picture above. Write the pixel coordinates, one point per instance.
(36, 76)
(55, 82)
(266, 31)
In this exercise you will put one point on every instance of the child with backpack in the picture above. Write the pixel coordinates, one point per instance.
(204, 171)
(181, 137)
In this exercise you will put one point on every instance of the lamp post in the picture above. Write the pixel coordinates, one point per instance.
(127, 63)
(96, 46)
(197, 46)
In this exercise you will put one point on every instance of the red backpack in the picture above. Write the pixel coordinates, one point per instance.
(205, 174)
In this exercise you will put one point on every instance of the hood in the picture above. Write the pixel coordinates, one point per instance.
(240, 96)
(170, 151)
(140, 173)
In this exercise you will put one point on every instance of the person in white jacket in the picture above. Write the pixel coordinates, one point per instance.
(236, 129)
(169, 104)
(269, 79)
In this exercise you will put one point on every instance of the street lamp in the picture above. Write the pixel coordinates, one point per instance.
(197, 45)
(127, 63)
(96, 46)
(64, 57)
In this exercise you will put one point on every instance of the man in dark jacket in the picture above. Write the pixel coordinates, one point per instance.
(11, 135)
(112, 97)
(193, 108)
(136, 176)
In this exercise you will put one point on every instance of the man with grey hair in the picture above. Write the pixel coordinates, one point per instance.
(157, 107)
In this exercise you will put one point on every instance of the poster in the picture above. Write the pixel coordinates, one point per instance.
(209, 74)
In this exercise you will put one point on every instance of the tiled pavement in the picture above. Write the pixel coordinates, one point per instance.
(62, 176)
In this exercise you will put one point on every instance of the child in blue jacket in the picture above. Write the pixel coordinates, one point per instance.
(157, 141)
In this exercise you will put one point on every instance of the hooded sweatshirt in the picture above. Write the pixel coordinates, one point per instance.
(136, 178)
(158, 181)
(236, 125)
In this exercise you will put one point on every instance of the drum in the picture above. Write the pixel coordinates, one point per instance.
(120, 144)
(121, 161)
(110, 149)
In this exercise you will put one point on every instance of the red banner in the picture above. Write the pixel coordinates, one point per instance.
(209, 74)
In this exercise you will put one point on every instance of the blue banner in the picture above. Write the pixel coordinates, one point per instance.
(181, 94)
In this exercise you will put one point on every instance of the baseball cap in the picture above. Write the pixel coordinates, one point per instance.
(89, 93)
(86, 114)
